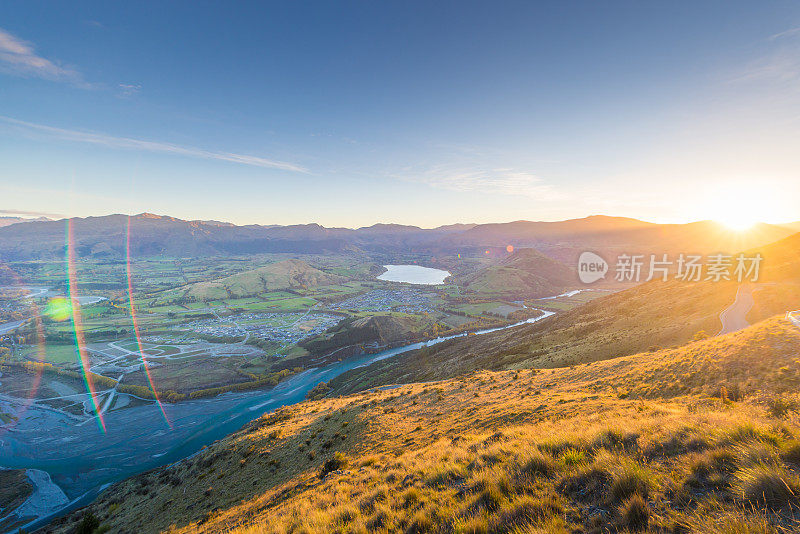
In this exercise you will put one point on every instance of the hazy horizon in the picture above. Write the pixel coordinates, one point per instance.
(56, 217)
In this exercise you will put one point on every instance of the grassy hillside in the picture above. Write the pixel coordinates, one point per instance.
(781, 260)
(702, 438)
(370, 332)
(287, 274)
(525, 273)
(779, 290)
(650, 316)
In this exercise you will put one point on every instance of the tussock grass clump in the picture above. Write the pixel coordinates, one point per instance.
(490, 499)
(630, 478)
(712, 471)
(781, 406)
(537, 465)
(588, 484)
(686, 440)
(751, 432)
(735, 525)
(525, 511)
(346, 515)
(420, 524)
(573, 457)
(448, 475)
(381, 520)
(616, 440)
(368, 504)
(791, 452)
(411, 498)
(473, 524)
(635, 513)
(768, 486)
(756, 452)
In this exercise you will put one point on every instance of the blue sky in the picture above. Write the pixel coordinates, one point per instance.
(427, 113)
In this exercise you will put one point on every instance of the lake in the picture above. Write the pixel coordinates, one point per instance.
(414, 274)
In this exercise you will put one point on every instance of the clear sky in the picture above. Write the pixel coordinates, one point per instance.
(426, 113)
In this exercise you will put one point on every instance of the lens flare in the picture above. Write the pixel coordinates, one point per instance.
(58, 309)
(136, 325)
(77, 325)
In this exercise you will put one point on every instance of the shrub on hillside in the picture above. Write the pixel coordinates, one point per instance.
(318, 392)
(88, 524)
(337, 462)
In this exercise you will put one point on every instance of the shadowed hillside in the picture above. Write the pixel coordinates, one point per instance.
(369, 333)
(702, 438)
(525, 273)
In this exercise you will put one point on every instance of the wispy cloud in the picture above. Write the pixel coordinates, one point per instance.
(150, 146)
(503, 181)
(129, 89)
(778, 63)
(787, 33)
(19, 58)
(31, 213)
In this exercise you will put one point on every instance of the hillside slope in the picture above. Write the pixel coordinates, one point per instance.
(287, 274)
(779, 290)
(692, 439)
(650, 316)
(369, 333)
(525, 273)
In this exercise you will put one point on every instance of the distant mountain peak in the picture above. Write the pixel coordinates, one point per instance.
(212, 222)
(9, 220)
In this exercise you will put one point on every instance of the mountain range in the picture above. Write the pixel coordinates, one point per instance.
(158, 235)
(7, 221)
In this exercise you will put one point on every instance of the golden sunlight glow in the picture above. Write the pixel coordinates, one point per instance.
(740, 205)
(738, 224)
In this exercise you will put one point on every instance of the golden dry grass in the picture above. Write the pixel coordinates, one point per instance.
(680, 440)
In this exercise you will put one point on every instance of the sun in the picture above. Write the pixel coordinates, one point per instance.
(737, 223)
(739, 206)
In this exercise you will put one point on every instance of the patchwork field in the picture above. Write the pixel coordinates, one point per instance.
(246, 327)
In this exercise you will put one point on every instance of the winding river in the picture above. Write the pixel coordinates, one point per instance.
(139, 438)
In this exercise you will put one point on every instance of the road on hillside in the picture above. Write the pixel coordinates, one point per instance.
(734, 318)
